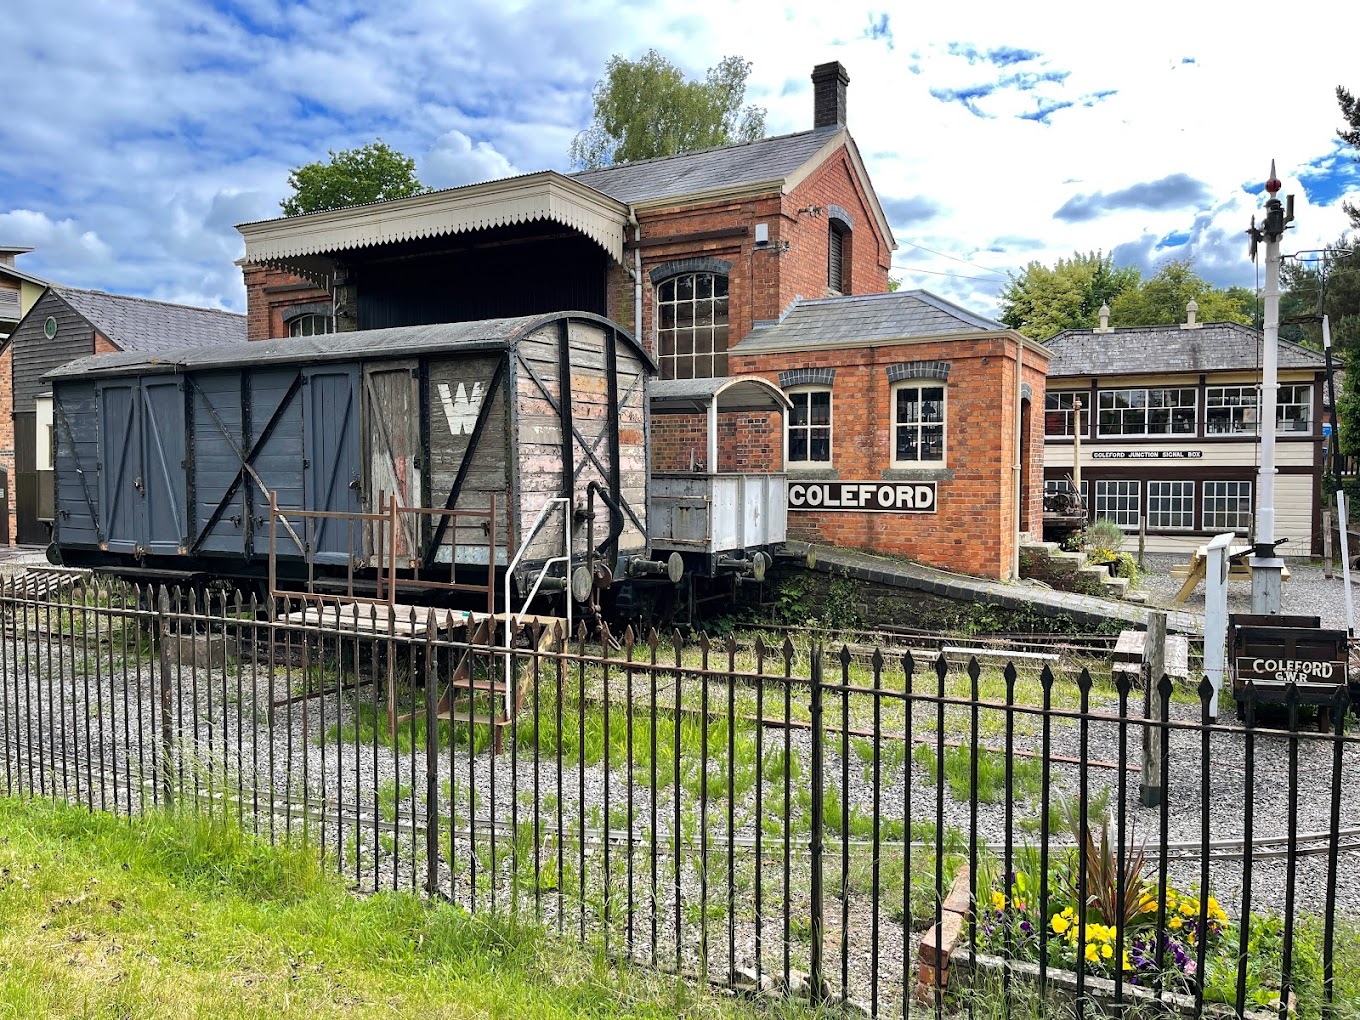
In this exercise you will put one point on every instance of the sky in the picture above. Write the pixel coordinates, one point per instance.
(137, 133)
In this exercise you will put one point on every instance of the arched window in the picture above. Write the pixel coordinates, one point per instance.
(311, 325)
(691, 326)
(838, 258)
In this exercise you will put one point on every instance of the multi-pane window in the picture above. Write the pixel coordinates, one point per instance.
(810, 427)
(918, 423)
(1170, 505)
(1227, 506)
(311, 325)
(1294, 412)
(1139, 412)
(1120, 501)
(691, 326)
(1060, 413)
(1229, 410)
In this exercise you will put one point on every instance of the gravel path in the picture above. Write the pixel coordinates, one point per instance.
(1307, 591)
(104, 726)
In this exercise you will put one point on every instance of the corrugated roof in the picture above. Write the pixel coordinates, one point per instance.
(729, 166)
(398, 341)
(1154, 350)
(141, 324)
(830, 322)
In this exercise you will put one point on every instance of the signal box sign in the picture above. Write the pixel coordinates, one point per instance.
(864, 497)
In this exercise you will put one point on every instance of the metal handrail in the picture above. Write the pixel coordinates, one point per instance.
(553, 503)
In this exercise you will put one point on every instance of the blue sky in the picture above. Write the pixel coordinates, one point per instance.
(136, 134)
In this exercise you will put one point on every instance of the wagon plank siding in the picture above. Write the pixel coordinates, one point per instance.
(218, 435)
(278, 462)
(77, 492)
(163, 489)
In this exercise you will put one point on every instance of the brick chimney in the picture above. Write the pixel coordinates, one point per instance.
(828, 95)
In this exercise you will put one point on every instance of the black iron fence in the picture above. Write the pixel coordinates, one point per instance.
(894, 829)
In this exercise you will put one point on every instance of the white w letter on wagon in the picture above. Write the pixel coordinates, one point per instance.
(459, 410)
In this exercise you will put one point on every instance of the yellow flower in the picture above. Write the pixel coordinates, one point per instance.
(1092, 953)
(1106, 952)
(1061, 923)
(1175, 922)
(1189, 910)
(998, 901)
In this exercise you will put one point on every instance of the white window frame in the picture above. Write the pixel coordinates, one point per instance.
(1068, 412)
(1214, 502)
(919, 384)
(1306, 404)
(1176, 490)
(1233, 399)
(1109, 494)
(830, 427)
(670, 364)
(295, 324)
(1140, 399)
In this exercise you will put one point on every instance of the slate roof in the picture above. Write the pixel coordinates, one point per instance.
(140, 324)
(729, 166)
(833, 322)
(479, 335)
(733, 393)
(1155, 350)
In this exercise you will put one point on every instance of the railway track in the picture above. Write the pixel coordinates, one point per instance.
(402, 821)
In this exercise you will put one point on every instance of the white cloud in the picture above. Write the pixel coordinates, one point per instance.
(455, 159)
(146, 130)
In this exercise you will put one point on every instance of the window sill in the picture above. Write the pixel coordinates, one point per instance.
(921, 474)
(808, 472)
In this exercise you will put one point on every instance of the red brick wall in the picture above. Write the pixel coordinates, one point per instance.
(804, 266)
(268, 293)
(972, 530)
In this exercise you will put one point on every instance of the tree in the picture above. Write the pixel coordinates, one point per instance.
(1162, 297)
(646, 108)
(1041, 302)
(1331, 286)
(1350, 134)
(354, 176)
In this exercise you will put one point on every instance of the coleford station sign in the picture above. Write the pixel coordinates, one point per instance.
(1277, 653)
(864, 497)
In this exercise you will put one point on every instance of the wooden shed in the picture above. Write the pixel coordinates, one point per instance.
(168, 462)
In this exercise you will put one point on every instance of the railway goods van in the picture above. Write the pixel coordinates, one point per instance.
(166, 464)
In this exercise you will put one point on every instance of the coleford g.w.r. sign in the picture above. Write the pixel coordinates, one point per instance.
(864, 497)
(1307, 658)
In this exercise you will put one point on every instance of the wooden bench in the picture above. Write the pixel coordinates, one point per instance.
(1239, 569)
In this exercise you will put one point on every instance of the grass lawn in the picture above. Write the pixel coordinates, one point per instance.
(182, 917)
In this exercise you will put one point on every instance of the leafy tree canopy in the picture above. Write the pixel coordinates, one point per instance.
(1331, 286)
(1350, 134)
(1043, 301)
(1162, 297)
(352, 177)
(646, 108)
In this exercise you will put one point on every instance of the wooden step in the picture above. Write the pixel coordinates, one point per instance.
(462, 715)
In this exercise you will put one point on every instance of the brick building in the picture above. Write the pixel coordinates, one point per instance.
(63, 324)
(19, 290)
(695, 253)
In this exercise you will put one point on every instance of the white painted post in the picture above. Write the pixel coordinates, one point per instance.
(712, 466)
(1216, 614)
(1344, 524)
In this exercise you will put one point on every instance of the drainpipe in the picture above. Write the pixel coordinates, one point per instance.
(1015, 470)
(636, 273)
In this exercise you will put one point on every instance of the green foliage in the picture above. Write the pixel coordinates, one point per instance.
(1041, 302)
(1026, 773)
(1350, 134)
(372, 173)
(646, 108)
(1104, 873)
(1161, 299)
(1104, 538)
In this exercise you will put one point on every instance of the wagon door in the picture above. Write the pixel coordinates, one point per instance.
(276, 453)
(120, 465)
(163, 478)
(392, 458)
(332, 477)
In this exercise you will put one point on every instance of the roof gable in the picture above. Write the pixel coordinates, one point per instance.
(1153, 350)
(141, 324)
